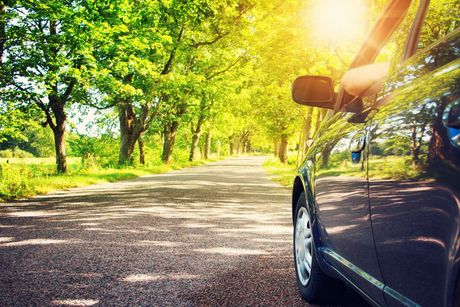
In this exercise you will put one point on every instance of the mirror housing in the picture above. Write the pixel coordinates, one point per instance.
(314, 91)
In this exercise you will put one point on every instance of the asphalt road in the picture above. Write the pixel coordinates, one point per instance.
(218, 234)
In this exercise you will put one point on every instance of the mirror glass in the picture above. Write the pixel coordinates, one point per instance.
(314, 91)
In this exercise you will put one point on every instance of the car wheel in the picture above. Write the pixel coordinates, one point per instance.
(314, 285)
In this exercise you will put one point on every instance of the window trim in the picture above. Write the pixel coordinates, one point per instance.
(412, 40)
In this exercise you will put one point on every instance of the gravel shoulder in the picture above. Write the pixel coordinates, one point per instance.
(218, 234)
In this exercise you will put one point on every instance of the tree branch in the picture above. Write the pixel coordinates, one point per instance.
(228, 67)
(211, 42)
(102, 108)
(68, 91)
(44, 108)
(168, 65)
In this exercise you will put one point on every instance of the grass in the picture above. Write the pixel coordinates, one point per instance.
(282, 173)
(27, 177)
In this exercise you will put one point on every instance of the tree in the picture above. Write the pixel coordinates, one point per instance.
(208, 52)
(48, 58)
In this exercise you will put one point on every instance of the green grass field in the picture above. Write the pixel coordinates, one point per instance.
(281, 173)
(33, 176)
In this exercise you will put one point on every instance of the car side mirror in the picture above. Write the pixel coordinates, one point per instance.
(314, 91)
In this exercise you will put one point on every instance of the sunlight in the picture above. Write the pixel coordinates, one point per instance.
(75, 302)
(38, 242)
(6, 239)
(136, 278)
(229, 251)
(337, 21)
(142, 278)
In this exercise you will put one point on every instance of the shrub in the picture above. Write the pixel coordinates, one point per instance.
(14, 181)
(17, 153)
(7, 153)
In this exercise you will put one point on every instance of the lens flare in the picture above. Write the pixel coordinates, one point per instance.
(337, 21)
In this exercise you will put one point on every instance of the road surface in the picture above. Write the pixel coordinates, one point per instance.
(218, 234)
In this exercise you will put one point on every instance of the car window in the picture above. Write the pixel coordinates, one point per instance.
(442, 18)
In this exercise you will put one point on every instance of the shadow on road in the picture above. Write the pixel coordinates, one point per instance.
(221, 231)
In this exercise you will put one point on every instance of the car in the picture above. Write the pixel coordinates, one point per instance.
(376, 202)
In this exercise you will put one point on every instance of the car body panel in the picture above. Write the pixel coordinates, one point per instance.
(341, 203)
(414, 188)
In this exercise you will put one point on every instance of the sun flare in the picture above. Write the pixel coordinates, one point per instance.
(337, 21)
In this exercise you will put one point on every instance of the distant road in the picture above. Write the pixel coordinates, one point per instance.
(218, 234)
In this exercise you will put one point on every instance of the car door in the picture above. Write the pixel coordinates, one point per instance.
(342, 204)
(414, 170)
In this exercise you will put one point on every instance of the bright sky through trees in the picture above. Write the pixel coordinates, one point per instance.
(337, 22)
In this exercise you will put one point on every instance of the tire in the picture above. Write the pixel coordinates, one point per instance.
(314, 286)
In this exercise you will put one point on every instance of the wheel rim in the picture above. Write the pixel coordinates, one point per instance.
(303, 246)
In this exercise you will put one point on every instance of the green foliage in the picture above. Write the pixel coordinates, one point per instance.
(8, 153)
(36, 140)
(16, 153)
(281, 172)
(19, 179)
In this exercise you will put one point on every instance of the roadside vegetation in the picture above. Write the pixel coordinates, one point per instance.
(283, 173)
(110, 90)
(25, 177)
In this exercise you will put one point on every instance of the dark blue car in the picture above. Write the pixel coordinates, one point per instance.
(376, 203)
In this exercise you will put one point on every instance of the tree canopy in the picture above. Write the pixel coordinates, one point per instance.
(211, 76)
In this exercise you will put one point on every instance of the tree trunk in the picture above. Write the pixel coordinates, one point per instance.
(247, 146)
(283, 148)
(128, 136)
(232, 147)
(169, 138)
(196, 133)
(207, 149)
(218, 148)
(58, 128)
(59, 146)
(140, 143)
(276, 148)
(194, 146)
